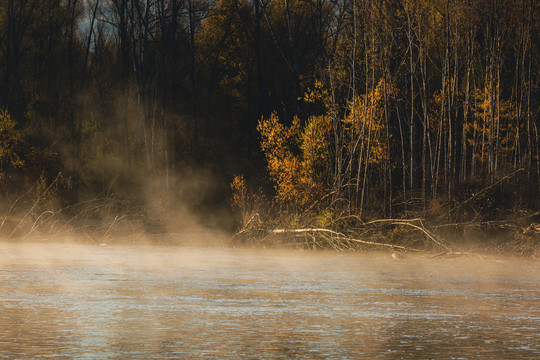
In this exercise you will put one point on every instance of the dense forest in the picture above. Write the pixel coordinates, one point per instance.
(310, 109)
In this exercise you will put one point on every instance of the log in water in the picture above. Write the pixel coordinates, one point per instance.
(133, 302)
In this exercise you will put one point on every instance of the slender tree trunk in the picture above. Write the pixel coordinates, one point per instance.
(498, 109)
(195, 151)
(294, 55)
(258, 60)
(388, 166)
(411, 119)
(352, 140)
(403, 156)
(425, 122)
(491, 94)
(463, 168)
(529, 91)
(451, 166)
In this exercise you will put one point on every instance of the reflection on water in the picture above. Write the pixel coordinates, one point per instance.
(101, 302)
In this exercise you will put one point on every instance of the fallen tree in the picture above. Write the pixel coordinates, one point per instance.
(368, 235)
(396, 235)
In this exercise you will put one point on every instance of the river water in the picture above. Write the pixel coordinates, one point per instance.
(62, 301)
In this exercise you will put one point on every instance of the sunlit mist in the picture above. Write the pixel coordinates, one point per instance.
(75, 301)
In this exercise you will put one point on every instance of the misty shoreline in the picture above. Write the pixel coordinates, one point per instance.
(497, 241)
(403, 237)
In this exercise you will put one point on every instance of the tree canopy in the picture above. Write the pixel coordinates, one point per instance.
(378, 106)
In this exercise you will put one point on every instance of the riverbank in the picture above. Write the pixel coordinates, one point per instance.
(402, 236)
(394, 236)
(516, 236)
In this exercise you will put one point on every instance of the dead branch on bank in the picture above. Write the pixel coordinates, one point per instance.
(337, 240)
(97, 216)
(358, 236)
(452, 254)
(34, 206)
(410, 222)
(307, 230)
(431, 236)
(366, 242)
(12, 208)
(311, 238)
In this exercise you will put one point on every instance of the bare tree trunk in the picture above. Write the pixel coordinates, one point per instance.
(195, 151)
(258, 60)
(337, 179)
(529, 91)
(425, 122)
(476, 124)
(498, 99)
(388, 166)
(352, 140)
(120, 9)
(294, 54)
(403, 156)
(470, 50)
(451, 166)
(368, 113)
(411, 119)
(491, 94)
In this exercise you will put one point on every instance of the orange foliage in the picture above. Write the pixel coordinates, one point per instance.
(9, 142)
(298, 159)
(278, 143)
(368, 121)
(478, 130)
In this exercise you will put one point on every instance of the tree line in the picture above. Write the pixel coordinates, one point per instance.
(371, 106)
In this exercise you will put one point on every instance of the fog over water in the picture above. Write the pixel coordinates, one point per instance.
(65, 301)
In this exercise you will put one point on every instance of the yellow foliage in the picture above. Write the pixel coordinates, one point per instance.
(434, 116)
(9, 141)
(222, 42)
(366, 120)
(278, 143)
(239, 191)
(249, 205)
(479, 129)
(298, 159)
(315, 144)
(317, 93)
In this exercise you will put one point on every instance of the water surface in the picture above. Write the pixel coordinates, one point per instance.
(133, 302)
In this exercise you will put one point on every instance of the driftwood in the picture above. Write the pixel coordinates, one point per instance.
(532, 230)
(456, 253)
(430, 236)
(411, 223)
(359, 235)
(338, 237)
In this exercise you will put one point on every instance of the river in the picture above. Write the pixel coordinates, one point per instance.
(61, 301)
